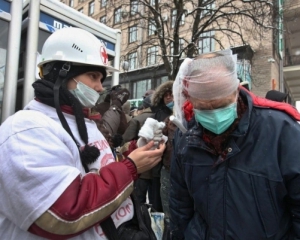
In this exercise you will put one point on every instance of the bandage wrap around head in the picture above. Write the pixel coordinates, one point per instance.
(207, 77)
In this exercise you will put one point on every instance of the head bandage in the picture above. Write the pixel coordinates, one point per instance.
(207, 77)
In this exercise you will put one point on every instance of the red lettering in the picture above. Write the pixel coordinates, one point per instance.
(102, 144)
(122, 209)
(128, 209)
(106, 159)
(97, 144)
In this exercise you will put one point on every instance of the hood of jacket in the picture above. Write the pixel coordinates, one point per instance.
(158, 95)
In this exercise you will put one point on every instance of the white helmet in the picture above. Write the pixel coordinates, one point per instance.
(77, 46)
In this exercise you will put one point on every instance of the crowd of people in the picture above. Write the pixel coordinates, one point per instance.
(71, 161)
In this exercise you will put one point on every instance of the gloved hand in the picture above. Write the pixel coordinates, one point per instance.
(119, 96)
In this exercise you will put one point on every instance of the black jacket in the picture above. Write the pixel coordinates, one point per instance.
(253, 195)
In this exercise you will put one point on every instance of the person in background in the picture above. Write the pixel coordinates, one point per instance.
(169, 131)
(148, 92)
(130, 137)
(133, 111)
(235, 173)
(276, 96)
(58, 176)
(126, 110)
(113, 117)
(137, 122)
(162, 107)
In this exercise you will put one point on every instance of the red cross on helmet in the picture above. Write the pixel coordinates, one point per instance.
(77, 46)
(103, 54)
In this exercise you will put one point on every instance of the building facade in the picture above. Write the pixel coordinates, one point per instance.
(142, 66)
(291, 63)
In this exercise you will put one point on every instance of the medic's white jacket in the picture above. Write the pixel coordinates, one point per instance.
(43, 187)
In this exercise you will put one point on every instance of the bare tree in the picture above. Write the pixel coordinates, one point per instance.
(180, 24)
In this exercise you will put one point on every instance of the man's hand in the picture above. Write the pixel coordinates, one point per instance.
(145, 158)
(119, 97)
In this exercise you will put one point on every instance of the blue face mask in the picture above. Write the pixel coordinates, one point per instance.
(217, 120)
(170, 105)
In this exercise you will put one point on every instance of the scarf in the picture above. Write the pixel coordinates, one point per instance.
(43, 91)
(219, 142)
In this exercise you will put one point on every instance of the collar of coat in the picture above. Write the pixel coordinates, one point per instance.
(281, 106)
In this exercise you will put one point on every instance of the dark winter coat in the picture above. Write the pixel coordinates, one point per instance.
(135, 125)
(169, 131)
(253, 194)
(160, 112)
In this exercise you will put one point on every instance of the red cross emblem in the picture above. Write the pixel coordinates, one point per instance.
(103, 55)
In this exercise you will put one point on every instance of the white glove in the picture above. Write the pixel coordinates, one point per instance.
(151, 130)
(157, 137)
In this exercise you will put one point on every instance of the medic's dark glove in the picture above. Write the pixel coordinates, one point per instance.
(119, 97)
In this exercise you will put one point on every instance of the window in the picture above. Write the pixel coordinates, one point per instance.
(102, 19)
(174, 17)
(140, 87)
(103, 3)
(91, 8)
(208, 9)
(151, 28)
(117, 15)
(132, 34)
(162, 80)
(80, 10)
(133, 7)
(244, 71)
(132, 60)
(152, 2)
(151, 55)
(71, 3)
(206, 42)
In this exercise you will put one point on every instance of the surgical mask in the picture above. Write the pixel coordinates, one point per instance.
(170, 105)
(86, 95)
(217, 120)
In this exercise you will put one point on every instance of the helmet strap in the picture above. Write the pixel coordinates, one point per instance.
(61, 77)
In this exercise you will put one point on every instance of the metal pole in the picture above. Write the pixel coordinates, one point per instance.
(115, 75)
(31, 50)
(281, 80)
(12, 60)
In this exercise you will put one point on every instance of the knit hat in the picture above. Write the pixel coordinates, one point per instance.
(51, 70)
(276, 96)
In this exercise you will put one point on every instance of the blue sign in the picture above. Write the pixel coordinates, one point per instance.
(53, 24)
(4, 6)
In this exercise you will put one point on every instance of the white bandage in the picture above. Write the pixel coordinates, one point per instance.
(178, 124)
